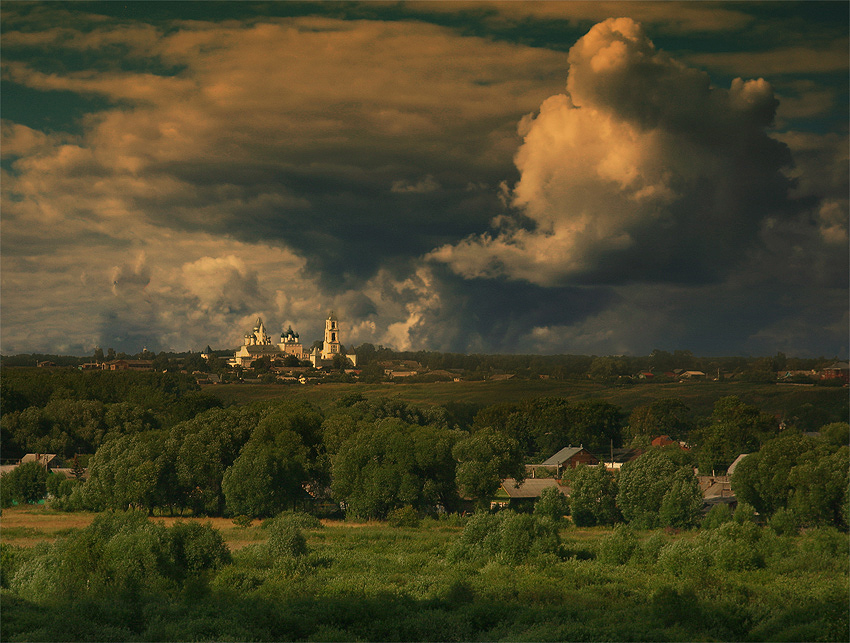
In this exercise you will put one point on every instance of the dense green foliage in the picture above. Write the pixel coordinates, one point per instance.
(506, 576)
(25, 483)
(804, 477)
(593, 499)
(66, 412)
(734, 428)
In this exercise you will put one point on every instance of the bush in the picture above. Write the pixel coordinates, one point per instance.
(784, 523)
(121, 555)
(242, 521)
(196, 547)
(552, 504)
(687, 558)
(735, 546)
(648, 551)
(674, 607)
(508, 537)
(618, 547)
(716, 516)
(403, 517)
(297, 519)
(744, 513)
(286, 540)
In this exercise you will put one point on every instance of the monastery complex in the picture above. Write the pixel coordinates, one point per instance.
(258, 344)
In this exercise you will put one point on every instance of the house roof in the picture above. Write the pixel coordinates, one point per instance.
(531, 487)
(562, 456)
(41, 458)
(734, 464)
(718, 489)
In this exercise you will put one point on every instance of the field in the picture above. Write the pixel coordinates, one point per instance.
(376, 582)
(776, 399)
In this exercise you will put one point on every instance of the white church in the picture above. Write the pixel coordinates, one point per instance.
(258, 344)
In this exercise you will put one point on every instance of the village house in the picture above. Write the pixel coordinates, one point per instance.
(838, 371)
(524, 494)
(129, 365)
(567, 458)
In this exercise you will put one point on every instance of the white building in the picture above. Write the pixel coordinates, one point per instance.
(331, 345)
(257, 344)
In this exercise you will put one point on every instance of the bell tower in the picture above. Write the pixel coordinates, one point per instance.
(331, 345)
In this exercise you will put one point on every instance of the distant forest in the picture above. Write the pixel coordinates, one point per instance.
(479, 366)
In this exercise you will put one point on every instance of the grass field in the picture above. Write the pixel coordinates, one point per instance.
(776, 399)
(375, 582)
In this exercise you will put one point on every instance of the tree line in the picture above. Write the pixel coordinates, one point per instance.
(597, 367)
(373, 457)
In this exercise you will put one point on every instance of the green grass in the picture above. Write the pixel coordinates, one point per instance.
(377, 583)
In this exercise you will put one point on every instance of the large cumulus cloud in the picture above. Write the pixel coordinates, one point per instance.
(209, 172)
(642, 172)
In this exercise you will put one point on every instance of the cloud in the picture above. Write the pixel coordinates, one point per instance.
(284, 167)
(642, 172)
(828, 57)
(669, 17)
(424, 185)
(257, 140)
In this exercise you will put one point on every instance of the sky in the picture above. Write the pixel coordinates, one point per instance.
(476, 177)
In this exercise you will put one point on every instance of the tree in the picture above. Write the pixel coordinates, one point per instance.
(266, 477)
(133, 471)
(805, 476)
(372, 373)
(820, 486)
(484, 459)
(390, 464)
(593, 496)
(661, 417)
(836, 433)
(762, 479)
(643, 484)
(682, 503)
(207, 446)
(26, 483)
(734, 428)
(552, 504)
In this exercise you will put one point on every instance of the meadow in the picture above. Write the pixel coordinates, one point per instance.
(429, 581)
(777, 399)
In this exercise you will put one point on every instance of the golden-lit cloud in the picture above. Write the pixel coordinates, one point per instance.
(639, 159)
(166, 181)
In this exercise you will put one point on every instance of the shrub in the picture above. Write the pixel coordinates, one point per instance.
(403, 517)
(744, 513)
(507, 536)
(552, 504)
(784, 523)
(196, 547)
(618, 547)
(734, 546)
(286, 540)
(7, 564)
(673, 607)
(716, 516)
(648, 551)
(686, 558)
(297, 519)
(242, 521)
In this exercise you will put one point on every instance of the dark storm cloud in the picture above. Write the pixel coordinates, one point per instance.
(268, 160)
(499, 315)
